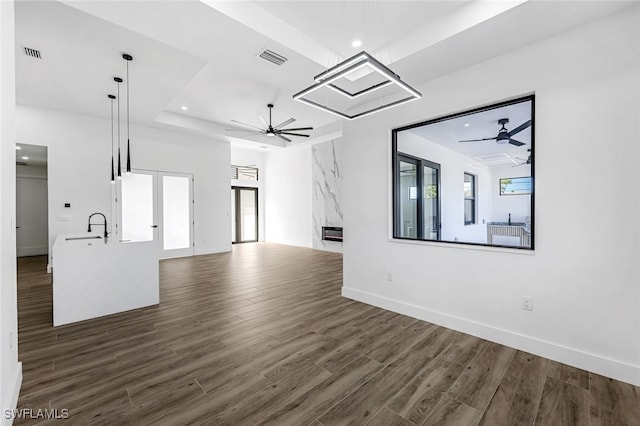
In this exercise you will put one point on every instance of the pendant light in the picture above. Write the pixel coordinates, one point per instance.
(128, 58)
(118, 80)
(113, 176)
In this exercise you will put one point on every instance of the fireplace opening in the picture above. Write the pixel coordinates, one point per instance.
(332, 233)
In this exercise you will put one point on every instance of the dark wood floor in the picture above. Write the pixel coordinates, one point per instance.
(262, 336)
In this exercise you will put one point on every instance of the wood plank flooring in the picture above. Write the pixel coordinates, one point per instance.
(262, 336)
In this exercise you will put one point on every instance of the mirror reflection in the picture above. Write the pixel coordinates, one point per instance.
(467, 178)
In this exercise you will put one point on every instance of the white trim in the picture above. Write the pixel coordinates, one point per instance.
(12, 397)
(615, 369)
(41, 250)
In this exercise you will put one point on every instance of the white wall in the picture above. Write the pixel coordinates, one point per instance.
(288, 196)
(10, 369)
(453, 165)
(584, 278)
(79, 167)
(244, 157)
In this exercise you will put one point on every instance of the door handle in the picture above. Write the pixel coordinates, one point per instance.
(154, 226)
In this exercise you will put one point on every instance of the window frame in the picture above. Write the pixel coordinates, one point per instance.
(472, 198)
(420, 163)
(395, 166)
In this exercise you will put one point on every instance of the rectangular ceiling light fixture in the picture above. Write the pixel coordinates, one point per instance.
(352, 65)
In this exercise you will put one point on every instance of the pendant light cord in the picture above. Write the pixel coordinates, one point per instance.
(112, 130)
(127, 100)
(118, 116)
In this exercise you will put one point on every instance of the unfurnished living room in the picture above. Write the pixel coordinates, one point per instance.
(365, 212)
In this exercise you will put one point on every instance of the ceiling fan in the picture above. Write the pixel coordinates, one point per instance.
(504, 136)
(270, 130)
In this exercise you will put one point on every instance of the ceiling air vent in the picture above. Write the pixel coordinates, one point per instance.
(273, 57)
(32, 52)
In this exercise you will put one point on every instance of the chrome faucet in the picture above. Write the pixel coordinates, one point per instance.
(106, 234)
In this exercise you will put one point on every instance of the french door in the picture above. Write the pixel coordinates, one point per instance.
(157, 208)
(244, 214)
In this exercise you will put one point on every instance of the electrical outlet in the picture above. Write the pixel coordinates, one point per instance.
(527, 303)
(10, 339)
(389, 276)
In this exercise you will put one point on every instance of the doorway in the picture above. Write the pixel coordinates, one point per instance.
(32, 228)
(157, 207)
(244, 214)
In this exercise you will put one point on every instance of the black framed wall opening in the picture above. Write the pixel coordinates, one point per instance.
(449, 172)
(244, 214)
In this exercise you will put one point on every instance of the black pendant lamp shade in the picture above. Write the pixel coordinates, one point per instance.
(118, 80)
(113, 176)
(128, 58)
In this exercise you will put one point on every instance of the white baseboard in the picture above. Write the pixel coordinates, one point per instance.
(292, 243)
(12, 397)
(587, 361)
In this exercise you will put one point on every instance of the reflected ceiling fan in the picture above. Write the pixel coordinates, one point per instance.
(504, 136)
(527, 161)
(271, 130)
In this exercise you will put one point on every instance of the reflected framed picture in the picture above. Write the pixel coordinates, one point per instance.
(515, 185)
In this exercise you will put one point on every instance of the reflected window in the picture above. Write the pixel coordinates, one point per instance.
(487, 153)
(469, 199)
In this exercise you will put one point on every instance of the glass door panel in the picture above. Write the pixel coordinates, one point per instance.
(430, 203)
(176, 212)
(248, 215)
(409, 200)
(138, 195)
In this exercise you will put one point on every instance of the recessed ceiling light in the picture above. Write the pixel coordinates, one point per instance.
(18, 148)
(25, 157)
(356, 43)
(467, 124)
(184, 108)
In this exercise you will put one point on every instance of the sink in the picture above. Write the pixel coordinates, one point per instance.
(93, 237)
(507, 223)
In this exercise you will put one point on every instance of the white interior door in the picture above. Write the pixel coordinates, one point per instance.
(158, 207)
(32, 233)
(176, 214)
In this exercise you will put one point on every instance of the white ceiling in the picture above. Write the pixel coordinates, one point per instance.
(484, 124)
(202, 54)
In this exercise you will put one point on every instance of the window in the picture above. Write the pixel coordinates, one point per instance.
(492, 149)
(469, 199)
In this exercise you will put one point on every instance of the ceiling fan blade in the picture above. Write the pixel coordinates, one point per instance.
(520, 128)
(284, 123)
(478, 140)
(248, 125)
(282, 137)
(263, 121)
(247, 132)
(515, 142)
(298, 128)
(293, 134)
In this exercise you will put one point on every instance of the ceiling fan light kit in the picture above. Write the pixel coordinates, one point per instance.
(349, 66)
